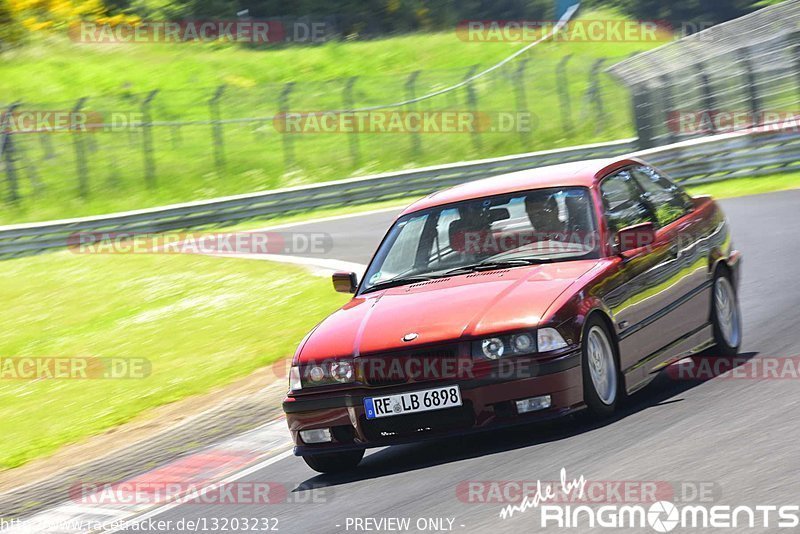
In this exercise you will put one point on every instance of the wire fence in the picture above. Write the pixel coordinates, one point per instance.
(161, 146)
(738, 75)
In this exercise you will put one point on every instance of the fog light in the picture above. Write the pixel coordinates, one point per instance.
(533, 404)
(318, 435)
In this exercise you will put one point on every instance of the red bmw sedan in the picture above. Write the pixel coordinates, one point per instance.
(514, 299)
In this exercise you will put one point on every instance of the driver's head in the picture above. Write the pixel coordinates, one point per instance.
(543, 212)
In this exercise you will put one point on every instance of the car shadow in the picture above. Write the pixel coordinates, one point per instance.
(669, 384)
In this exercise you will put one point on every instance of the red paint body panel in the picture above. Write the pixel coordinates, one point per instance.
(656, 302)
(443, 310)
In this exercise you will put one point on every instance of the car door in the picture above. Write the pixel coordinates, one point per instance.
(642, 302)
(687, 234)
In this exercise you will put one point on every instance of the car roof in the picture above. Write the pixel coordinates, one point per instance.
(576, 174)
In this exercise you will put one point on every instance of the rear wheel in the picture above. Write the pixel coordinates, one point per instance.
(600, 373)
(334, 462)
(725, 316)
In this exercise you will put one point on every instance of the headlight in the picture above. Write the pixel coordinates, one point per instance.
(493, 348)
(549, 339)
(316, 373)
(342, 372)
(322, 374)
(523, 343)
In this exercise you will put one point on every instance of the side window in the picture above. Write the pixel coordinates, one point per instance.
(622, 201)
(668, 201)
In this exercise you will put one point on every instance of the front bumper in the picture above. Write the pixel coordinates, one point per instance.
(488, 402)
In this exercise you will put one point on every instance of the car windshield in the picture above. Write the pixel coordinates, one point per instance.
(538, 226)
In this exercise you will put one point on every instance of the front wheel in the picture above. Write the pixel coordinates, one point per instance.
(600, 373)
(725, 316)
(334, 462)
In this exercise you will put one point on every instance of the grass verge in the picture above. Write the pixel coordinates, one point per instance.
(200, 321)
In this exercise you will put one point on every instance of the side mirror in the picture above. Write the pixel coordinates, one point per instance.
(345, 282)
(636, 236)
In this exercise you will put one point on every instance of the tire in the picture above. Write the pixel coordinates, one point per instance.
(334, 462)
(601, 377)
(725, 316)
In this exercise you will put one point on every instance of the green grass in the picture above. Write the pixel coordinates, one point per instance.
(53, 74)
(200, 321)
(739, 187)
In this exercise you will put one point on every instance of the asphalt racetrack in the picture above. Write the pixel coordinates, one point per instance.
(734, 440)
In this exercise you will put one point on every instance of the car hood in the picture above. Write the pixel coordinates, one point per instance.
(444, 309)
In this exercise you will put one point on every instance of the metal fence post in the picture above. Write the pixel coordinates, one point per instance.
(216, 128)
(472, 103)
(708, 95)
(596, 94)
(147, 141)
(411, 94)
(7, 152)
(347, 100)
(522, 101)
(642, 114)
(47, 147)
(669, 107)
(80, 153)
(752, 89)
(288, 148)
(562, 84)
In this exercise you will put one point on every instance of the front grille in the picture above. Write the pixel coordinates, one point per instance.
(386, 428)
(409, 367)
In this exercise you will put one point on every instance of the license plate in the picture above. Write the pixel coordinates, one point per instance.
(413, 402)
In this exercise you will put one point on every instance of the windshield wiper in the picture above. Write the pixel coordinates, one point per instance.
(394, 282)
(497, 264)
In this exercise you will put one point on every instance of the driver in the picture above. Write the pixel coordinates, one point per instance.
(542, 210)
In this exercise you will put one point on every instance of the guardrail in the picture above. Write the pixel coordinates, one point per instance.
(695, 161)
(22, 239)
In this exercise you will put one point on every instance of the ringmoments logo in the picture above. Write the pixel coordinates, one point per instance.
(660, 516)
